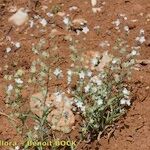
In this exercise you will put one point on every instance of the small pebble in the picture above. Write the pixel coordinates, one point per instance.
(93, 2)
(19, 18)
(18, 45)
(8, 49)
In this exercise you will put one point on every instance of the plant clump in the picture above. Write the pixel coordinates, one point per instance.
(96, 89)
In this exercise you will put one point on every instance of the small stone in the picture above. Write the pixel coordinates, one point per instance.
(62, 120)
(61, 14)
(96, 10)
(19, 18)
(80, 21)
(73, 8)
(61, 117)
(147, 88)
(44, 7)
(8, 49)
(50, 14)
(17, 44)
(55, 32)
(106, 59)
(77, 24)
(93, 2)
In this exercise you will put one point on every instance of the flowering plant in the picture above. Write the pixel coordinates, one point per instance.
(101, 93)
(97, 90)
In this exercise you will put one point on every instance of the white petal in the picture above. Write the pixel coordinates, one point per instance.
(43, 22)
(85, 30)
(66, 21)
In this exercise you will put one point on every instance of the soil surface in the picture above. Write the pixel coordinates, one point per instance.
(133, 131)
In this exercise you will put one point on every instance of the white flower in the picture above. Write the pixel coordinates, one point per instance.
(94, 61)
(66, 21)
(69, 72)
(79, 104)
(126, 28)
(89, 73)
(134, 52)
(114, 61)
(141, 39)
(100, 102)
(82, 108)
(81, 75)
(142, 31)
(10, 88)
(8, 49)
(57, 72)
(125, 102)
(36, 16)
(17, 44)
(96, 80)
(126, 92)
(91, 121)
(18, 81)
(58, 96)
(99, 82)
(36, 127)
(85, 30)
(43, 22)
(17, 148)
(117, 22)
(87, 88)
